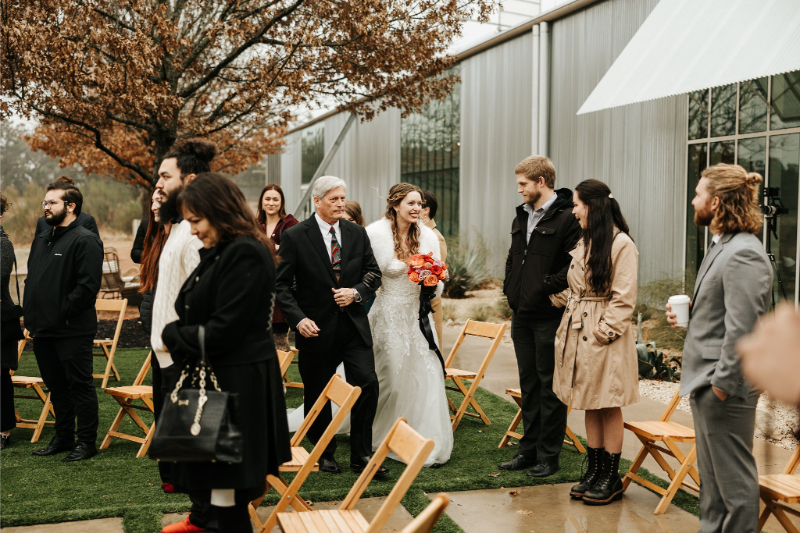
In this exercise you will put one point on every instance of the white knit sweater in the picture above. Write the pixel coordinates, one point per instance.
(179, 258)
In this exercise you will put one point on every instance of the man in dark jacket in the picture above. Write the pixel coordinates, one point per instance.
(542, 235)
(85, 220)
(64, 271)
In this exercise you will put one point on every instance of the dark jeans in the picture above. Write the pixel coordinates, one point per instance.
(317, 368)
(164, 467)
(66, 368)
(544, 417)
(8, 420)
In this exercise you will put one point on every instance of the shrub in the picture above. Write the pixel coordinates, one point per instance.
(448, 312)
(468, 268)
(481, 312)
(653, 296)
(503, 309)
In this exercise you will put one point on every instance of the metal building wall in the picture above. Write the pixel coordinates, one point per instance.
(638, 150)
(291, 171)
(496, 104)
(368, 159)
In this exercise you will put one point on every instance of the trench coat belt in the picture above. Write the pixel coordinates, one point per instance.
(573, 304)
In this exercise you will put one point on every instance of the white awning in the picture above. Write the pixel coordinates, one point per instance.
(687, 45)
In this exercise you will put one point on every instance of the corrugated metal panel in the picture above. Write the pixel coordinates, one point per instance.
(291, 170)
(687, 45)
(495, 135)
(639, 150)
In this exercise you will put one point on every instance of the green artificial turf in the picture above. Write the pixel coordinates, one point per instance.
(38, 490)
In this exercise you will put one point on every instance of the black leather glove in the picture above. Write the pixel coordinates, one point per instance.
(372, 281)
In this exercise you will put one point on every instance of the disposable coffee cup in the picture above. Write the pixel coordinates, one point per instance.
(680, 306)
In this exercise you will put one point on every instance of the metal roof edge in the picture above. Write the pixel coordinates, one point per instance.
(511, 33)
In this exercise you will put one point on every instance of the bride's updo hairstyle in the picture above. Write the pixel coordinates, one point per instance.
(396, 195)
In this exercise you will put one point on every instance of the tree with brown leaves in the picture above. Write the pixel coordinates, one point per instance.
(115, 83)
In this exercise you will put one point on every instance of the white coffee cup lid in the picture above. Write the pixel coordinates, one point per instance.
(679, 299)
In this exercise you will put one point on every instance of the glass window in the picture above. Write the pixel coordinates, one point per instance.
(723, 110)
(698, 114)
(695, 236)
(753, 157)
(313, 151)
(785, 101)
(430, 143)
(753, 106)
(784, 161)
(722, 152)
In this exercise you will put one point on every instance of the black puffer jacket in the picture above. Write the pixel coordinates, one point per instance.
(65, 267)
(539, 268)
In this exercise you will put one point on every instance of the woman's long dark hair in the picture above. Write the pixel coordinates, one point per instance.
(218, 199)
(603, 215)
(261, 215)
(154, 239)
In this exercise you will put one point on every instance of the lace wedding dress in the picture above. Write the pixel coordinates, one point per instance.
(409, 373)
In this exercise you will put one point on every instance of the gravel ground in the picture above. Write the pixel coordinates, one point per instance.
(775, 421)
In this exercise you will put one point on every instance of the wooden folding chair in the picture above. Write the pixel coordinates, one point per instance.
(288, 382)
(125, 397)
(284, 361)
(343, 395)
(36, 384)
(670, 433)
(475, 329)
(410, 446)
(109, 346)
(571, 439)
(778, 491)
(428, 518)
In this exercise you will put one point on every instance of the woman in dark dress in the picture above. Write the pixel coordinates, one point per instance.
(226, 295)
(11, 334)
(271, 214)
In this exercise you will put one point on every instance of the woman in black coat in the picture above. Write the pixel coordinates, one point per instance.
(227, 294)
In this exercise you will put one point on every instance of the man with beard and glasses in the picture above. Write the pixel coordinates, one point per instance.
(732, 290)
(179, 257)
(84, 219)
(542, 236)
(65, 267)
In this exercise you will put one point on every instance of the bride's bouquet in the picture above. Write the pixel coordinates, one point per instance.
(424, 269)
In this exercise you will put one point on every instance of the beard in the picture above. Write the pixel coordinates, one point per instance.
(703, 217)
(168, 211)
(56, 218)
(535, 198)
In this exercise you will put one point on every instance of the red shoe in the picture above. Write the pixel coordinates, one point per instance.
(169, 488)
(182, 527)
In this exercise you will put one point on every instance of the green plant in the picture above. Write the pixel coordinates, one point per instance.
(481, 312)
(503, 309)
(653, 296)
(468, 268)
(448, 312)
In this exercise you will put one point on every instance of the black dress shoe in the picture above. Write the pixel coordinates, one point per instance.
(83, 450)
(543, 469)
(329, 465)
(4, 440)
(519, 462)
(55, 446)
(358, 464)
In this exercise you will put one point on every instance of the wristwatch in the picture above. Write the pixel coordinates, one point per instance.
(356, 296)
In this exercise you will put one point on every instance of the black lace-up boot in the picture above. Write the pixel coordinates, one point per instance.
(609, 487)
(592, 474)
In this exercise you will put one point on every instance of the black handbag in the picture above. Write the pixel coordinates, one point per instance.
(198, 425)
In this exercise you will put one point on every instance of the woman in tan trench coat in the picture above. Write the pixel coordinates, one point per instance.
(596, 366)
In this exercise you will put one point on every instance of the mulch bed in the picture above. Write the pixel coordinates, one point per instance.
(131, 336)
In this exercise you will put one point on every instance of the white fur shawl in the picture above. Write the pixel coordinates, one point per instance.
(382, 241)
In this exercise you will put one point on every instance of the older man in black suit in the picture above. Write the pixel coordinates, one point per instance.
(321, 292)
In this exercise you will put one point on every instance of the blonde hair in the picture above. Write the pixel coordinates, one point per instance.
(396, 195)
(534, 166)
(737, 191)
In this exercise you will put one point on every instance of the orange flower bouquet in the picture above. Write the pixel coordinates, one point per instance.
(425, 270)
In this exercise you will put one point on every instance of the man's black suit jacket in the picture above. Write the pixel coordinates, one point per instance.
(305, 260)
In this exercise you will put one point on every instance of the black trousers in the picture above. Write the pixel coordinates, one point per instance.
(317, 368)
(164, 467)
(7, 419)
(66, 368)
(544, 417)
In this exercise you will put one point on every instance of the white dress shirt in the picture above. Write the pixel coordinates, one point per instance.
(325, 228)
(534, 216)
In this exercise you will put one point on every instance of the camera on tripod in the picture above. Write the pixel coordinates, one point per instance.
(771, 204)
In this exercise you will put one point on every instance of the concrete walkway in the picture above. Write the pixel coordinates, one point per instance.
(536, 509)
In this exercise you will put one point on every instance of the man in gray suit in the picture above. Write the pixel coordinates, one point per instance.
(731, 292)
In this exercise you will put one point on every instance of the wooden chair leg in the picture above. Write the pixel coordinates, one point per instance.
(511, 429)
(765, 512)
(281, 487)
(146, 444)
(42, 418)
(573, 441)
(114, 427)
(467, 401)
(676, 483)
(637, 463)
(784, 520)
(45, 398)
(678, 454)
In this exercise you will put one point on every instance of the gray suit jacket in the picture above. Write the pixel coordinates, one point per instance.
(731, 292)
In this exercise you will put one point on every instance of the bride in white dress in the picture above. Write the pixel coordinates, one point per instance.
(409, 372)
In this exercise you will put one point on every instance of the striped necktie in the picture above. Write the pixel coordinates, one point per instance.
(336, 255)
